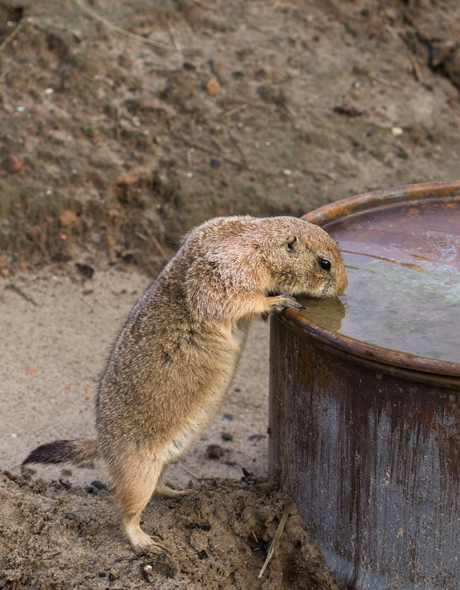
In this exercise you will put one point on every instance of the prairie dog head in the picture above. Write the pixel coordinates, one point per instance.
(304, 260)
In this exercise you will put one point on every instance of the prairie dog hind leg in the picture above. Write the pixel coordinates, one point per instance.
(135, 479)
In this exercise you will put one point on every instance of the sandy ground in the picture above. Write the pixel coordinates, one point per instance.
(53, 348)
(59, 530)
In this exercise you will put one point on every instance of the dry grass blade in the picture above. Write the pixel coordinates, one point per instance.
(276, 538)
(203, 5)
(417, 69)
(120, 30)
(237, 109)
(200, 478)
(10, 37)
(21, 293)
(212, 152)
(175, 40)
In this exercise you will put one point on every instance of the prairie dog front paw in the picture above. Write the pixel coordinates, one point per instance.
(281, 302)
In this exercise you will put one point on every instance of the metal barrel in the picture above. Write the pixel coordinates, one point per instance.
(366, 438)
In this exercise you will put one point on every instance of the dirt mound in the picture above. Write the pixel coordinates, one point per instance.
(56, 536)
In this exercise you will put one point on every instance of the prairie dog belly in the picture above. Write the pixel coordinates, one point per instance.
(170, 406)
(202, 414)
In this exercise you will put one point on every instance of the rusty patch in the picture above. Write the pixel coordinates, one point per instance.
(372, 459)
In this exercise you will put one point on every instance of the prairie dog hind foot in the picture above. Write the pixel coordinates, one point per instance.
(140, 541)
(164, 491)
(132, 499)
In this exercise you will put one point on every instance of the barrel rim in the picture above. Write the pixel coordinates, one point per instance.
(357, 204)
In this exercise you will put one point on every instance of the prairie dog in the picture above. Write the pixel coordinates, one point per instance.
(173, 360)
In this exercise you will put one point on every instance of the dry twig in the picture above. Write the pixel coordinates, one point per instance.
(212, 152)
(237, 109)
(276, 538)
(417, 69)
(10, 37)
(174, 39)
(21, 293)
(203, 5)
(161, 250)
(198, 478)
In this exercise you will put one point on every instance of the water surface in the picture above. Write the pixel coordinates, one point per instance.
(411, 307)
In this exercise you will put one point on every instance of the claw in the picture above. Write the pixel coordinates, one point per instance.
(283, 302)
(295, 305)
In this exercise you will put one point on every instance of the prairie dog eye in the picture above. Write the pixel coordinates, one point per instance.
(292, 241)
(325, 264)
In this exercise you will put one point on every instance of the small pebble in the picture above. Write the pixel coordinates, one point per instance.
(257, 436)
(98, 485)
(86, 270)
(397, 131)
(67, 218)
(12, 164)
(214, 452)
(65, 484)
(114, 575)
(212, 86)
(348, 110)
(71, 516)
(27, 472)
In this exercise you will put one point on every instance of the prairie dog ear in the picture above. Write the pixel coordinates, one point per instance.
(291, 242)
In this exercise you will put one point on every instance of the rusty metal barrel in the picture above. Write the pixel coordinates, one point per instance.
(365, 394)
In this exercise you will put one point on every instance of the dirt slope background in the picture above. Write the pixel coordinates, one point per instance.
(213, 108)
(123, 124)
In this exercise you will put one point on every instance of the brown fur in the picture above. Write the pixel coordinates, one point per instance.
(174, 359)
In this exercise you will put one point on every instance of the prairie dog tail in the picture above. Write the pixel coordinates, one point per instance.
(76, 451)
